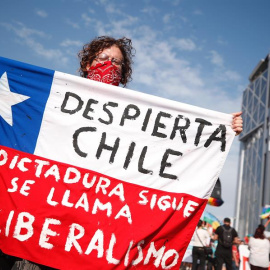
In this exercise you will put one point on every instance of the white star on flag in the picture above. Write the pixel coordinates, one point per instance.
(8, 99)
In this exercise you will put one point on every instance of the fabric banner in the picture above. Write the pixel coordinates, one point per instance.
(94, 176)
(244, 257)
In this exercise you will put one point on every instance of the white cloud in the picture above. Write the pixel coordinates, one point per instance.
(23, 32)
(87, 19)
(73, 24)
(110, 7)
(42, 13)
(29, 37)
(167, 18)
(116, 28)
(232, 75)
(69, 42)
(92, 11)
(183, 19)
(216, 58)
(120, 28)
(150, 10)
(166, 73)
(185, 44)
(221, 41)
(160, 71)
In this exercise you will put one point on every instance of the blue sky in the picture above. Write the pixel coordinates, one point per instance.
(192, 51)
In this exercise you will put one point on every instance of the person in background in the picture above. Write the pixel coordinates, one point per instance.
(259, 250)
(200, 240)
(225, 235)
(235, 254)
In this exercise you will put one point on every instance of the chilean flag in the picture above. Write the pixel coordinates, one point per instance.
(93, 176)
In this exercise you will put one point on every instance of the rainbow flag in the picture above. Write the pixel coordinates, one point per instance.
(265, 212)
(215, 202)
(212, 220)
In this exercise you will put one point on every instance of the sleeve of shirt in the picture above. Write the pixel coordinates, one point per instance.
(218, 231)
(235, 234)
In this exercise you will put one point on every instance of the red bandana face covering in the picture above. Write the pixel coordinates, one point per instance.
(105, 72)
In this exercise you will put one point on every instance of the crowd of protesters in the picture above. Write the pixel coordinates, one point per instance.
(225, 245)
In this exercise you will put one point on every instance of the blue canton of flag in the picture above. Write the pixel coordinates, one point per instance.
(20, 121)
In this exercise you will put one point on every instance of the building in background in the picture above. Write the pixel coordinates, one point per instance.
(254, 165)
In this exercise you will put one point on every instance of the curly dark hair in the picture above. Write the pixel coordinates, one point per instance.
(259, 232)
(90, 51)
